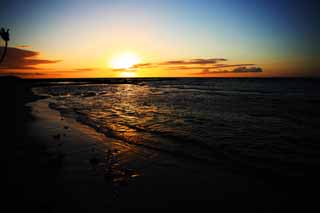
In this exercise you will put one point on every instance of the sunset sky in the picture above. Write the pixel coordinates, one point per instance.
(160, 38)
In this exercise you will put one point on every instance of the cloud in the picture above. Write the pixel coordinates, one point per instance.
(185, 68)
(231, 65)
(185, 64)
(23, 46)
(204, 66)
(194, 61)
(85, 69)
(133, 69)
(23, 59)
(76, 70)
(120, 70)
(217, 67)
(240, 69)
(209, 71)
(247, 69)
(22, 74)
(145, 65)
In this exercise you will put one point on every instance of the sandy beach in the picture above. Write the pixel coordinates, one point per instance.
(56, 164)
(96, 172)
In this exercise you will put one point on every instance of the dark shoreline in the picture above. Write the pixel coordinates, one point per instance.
(29, 174)
(35, 164)
(137, 80)
(31, 169)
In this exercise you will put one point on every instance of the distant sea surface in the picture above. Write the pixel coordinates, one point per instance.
(261, 123)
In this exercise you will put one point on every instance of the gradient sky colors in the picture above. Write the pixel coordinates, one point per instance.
(77, 38)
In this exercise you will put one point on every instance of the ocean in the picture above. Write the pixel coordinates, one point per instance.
(269, 123)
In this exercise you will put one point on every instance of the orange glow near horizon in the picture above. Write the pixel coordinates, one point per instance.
(128, 74)
(128, 64)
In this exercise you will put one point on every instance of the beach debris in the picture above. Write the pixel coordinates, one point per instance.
(56, 137)
(116, 151)
(131, 173)
(120, 176)
(56, 160)
(112, 171)
(108, 177)
(94, 161)
(89, 94)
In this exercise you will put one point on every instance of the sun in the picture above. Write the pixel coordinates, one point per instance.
(124, 61)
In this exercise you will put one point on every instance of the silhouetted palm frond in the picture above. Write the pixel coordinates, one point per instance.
(5, 36)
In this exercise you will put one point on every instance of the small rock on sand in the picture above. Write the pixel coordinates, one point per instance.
(56, 137)
(94, 161)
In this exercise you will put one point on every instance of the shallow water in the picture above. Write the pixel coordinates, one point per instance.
(267, 123)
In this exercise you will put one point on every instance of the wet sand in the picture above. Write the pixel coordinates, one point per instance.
(55, 164)
(75, 147)
(138, 178)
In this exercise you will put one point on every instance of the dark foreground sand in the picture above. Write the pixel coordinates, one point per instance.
(55, 164)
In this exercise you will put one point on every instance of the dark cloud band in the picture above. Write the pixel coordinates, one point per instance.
(23, 59)
(205, 66)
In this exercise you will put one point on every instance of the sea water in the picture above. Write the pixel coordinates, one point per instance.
(272, 123)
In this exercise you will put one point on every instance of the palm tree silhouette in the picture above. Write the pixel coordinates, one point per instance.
(5, 36)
